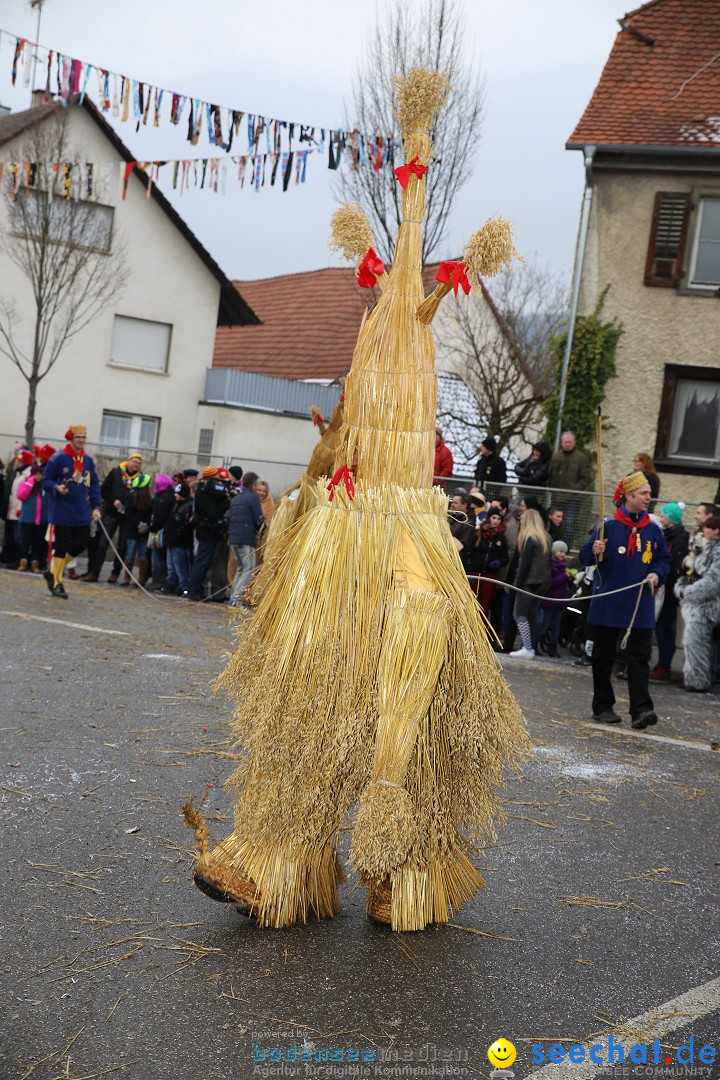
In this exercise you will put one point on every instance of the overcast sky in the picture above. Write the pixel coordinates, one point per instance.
(293, 60)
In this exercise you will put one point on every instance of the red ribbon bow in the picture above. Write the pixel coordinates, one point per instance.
(370, 270)
(413, 168)
(318, 420)
(343, 474)
(453, 273)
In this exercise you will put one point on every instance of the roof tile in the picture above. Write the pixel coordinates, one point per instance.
(661, 83)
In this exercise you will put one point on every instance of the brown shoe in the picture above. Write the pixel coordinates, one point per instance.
(125, 581)
(72, 574)
(89, 576)
(23, 565)
(35, 567)
(112, 579)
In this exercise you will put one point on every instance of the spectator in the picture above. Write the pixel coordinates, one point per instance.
(33, 514)
(533, 470)
(490, 468)
(23, 463)
(116, 493)
(490, 556)
(700, 603)
(644, 463)
(212, 503)
(73, 489)
(179, 542)
(570, 471)
(245, 521)
(478, 505)
(552, 612)
(533, 576)
(531, 502)
(163, 504)
(677, 539)
(11, 544)
(462, 529)
(555, 523)
(443, 460)
(697, 536)
(135, 529)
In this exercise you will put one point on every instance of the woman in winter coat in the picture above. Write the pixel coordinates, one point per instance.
(677, 539)
(135, 528)
(33, 519)
(163, 504)
(489, 556)
(533, 470)
(533, 575)
(699, 598)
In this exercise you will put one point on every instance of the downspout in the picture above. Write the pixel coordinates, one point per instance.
(589, 152)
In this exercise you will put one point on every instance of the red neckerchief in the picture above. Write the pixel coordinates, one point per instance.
(488, 531)
(77, 456)
(635, 526)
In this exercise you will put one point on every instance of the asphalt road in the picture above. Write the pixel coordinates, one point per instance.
(602, 898)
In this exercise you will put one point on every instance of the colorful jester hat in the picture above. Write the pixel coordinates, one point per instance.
(391, 390)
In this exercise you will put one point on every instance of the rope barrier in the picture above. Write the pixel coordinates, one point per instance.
(130, 574)
(565, 600)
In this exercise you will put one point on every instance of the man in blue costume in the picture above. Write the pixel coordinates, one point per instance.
(71, 482)
(634, 552)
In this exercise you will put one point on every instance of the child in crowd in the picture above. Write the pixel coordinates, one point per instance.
(552, 612)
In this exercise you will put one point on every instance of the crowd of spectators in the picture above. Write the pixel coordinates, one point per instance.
(193, 534)
(523, 544)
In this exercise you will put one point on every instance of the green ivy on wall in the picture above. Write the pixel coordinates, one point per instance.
(592, 365)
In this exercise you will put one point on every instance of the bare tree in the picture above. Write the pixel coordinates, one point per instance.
(65, 248)
(431, 34)
(498, 348)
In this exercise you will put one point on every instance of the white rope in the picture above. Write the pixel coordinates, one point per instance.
(130, 574)
(565, 600)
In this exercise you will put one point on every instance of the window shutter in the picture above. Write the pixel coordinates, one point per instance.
(667, 238)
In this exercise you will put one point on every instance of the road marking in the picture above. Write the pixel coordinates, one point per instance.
(645, 736)
(64, 622)
(654, 1024)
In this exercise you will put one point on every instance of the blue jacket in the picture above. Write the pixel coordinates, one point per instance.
(83, 493)
(618, 569)
(246, 517)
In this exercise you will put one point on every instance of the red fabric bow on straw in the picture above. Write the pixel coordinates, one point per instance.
(318, 420)
(370, 270)
(413, 168)
(453, 273)
(342, 475)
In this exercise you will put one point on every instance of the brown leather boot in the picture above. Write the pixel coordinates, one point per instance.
(23, 565)
(126, 580)
(142, 571)
(35, 567)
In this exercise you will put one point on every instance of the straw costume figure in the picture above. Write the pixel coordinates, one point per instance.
(376, 683)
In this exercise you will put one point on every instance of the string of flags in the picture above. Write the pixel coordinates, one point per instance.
(92, 180)
(274, 146)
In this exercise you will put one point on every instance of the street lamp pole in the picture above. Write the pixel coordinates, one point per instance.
(39, 5)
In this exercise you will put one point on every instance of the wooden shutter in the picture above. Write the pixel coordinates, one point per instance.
(666, 250)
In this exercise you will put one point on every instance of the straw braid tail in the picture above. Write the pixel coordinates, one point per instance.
(429, 307)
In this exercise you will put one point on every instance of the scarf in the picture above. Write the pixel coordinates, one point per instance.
(635, 526)
(487, 532)
(78, 458)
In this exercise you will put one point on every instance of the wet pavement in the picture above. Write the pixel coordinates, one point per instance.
(602, 898)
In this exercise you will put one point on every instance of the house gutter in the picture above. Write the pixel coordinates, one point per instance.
(589, 152)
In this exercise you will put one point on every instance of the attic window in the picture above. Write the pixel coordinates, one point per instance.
(667, 238)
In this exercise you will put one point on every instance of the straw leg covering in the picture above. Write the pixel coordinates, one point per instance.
(365, 676)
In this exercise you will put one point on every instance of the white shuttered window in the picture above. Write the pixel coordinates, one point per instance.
(140, 343)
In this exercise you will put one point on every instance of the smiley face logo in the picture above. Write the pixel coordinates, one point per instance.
(502, 1054)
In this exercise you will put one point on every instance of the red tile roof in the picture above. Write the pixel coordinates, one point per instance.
(310, 323)
(661, 83)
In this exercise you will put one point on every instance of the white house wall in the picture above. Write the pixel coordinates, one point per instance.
(167, 282)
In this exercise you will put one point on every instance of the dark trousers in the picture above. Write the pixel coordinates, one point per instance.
(639, 648)
(201, 564)
(666, 632)
(33, 545)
